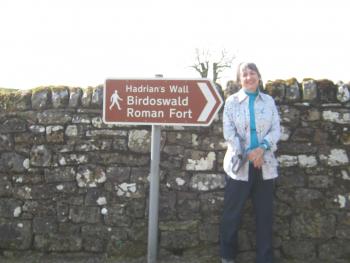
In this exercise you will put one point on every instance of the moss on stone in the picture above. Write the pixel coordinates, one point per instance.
(308, 79)
(58, 88)
(41, 89)
(174, 225)
(291, 81)
(325, 83)
(13, 99)
(279, 82)
(126, 250)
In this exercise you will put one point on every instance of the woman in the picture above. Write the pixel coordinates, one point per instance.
(252, 129)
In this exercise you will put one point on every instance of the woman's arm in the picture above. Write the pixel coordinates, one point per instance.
(274, 134)
(230, 130)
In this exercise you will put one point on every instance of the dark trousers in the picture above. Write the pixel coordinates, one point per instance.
(236, 193)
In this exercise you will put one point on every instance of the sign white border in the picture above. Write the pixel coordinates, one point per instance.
(161, 123)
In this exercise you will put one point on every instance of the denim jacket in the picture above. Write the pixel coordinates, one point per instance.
(236, 126)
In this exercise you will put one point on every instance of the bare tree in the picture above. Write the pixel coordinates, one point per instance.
(203, 60)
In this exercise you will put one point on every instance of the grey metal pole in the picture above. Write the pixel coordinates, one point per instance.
(154, 195)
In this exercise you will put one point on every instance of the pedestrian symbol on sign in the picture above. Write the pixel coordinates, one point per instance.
(115, 100)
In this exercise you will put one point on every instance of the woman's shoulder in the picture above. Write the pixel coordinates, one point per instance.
(267, 97)
(232, 100)
(233, 97)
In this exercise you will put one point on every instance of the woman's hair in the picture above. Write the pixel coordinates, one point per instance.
(245, 65)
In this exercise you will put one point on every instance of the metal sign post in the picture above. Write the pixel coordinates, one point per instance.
(152, 249)
(154, 196)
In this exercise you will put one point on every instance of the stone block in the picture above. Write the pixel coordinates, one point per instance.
(15, 100)
(56, 116)
(327, 90)
(106, 133)
(289, 115)
(120, 144)
(335, 157)
(177, 150)
(211, 204)
(90, 175)
(277, 89)
(40, 155)
(97, 96)
(40, 208)
(178, 180)
(72, 159)
(287, 160)
(57, 242)
(206, 182)
(81, 119)
(290, 178)
(15, 235)
(59, 97)
(334, 250)
(94, 244)
(40, 98)
(302, 134)
(62, 174)
(13, 125)
(43, 225)
(341, 116)
(86, 97)
(296, 148)
(167, 205)
(26, 139)
(188, 206)
(308, 198)
(75, 95)
(313, 225)
(9, 208)
(307, 161)
(85, 214)
(6, 142)
(13, 162)
(285, 133)
(312, 114)
(299, 249)
(116, 216)
(55, 134)
(209, 233)
(96, 196)
(139, 232)
(199, 160)
(71, 131)
(309, 90)
(320, 181)
(6, 189)
(292, 90)
(122, 159)
(136, 208)
(343, 92)
(139, 141)
(345, 138)
(178, 240)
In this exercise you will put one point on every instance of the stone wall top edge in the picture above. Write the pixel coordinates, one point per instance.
(318, 91)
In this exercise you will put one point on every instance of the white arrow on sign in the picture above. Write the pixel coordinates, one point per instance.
(210, 101)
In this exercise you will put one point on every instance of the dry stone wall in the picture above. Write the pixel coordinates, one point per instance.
(73, 188)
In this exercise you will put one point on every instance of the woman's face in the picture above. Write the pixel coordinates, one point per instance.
(249, 79)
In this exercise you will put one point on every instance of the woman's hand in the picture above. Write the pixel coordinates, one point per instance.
(257, 157)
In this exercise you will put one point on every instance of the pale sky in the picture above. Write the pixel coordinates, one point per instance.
(83, 42)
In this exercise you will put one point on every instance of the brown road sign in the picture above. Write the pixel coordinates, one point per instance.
(184, 102)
